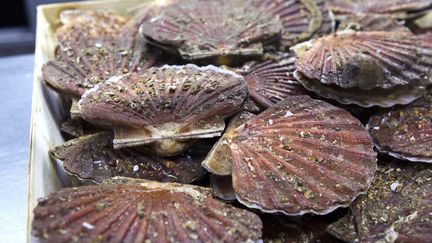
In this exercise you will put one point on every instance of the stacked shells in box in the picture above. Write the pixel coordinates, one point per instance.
(244, 120)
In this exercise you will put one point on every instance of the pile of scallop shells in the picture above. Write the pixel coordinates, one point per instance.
(244, 120)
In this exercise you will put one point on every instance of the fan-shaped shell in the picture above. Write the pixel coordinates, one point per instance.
(139, 212)
(404, 132)
(400, 8)
(93, 157)
(165, 107)
(93, 46)
(272, 80)
(201, 29)
(366, 68)
(397, 207)
(300, 18)
(299, 156)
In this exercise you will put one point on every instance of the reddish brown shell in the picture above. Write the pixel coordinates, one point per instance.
(404, 132)
(397, 207)
(93, 157)
(272, 80)
(300, 18)
(138, 212)
(93, 46)
(400, 8)
(370, 22)
(300, 156)
(201, 29)
(165, 107)
(366, 68)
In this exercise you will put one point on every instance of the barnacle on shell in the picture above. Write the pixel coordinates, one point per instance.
(140, 212)
(404, 132)
(166, 108)
(299, 156)
(200, 29)
(93, 46)
(366, 68)
(93, 157)
(271, 81)
(397, 207)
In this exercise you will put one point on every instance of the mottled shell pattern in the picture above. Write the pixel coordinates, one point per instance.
(272, 80)
(300, 156)
(200, 29)
(140, 212)
(349, 65)
(396, 208)
(93, 157)
(399, 8)
(300, 18)
(93, 46)
(404, 132)
(165, 106)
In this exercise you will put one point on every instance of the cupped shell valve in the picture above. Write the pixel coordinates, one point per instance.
(141, 212)
(200, 29)
(300, 156)
(166, 108)
(366, 68)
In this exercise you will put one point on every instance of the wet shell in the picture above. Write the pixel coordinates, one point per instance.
(93, 157)
(344, 229)
(405, 132)
(300, 18)
(218, 161)
(272, 81)
(300, 156)
(208, 29)
(166, 107)
(138, 212)
(398, 205)
(366, 68)
(93, 46)
(399, 8)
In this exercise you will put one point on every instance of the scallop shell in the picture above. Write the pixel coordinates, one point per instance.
(404, 132)
(300, 18)
(139, 212)
(218, 161)
(209, 29)
(93, 157)
(300, 156)
(166, 107)
(222, 187)
(272, 81)
(344, 229)
(399, 8)
(77, 127)
(370, 22)
(93, 46)
(366, 68)
(398, 205)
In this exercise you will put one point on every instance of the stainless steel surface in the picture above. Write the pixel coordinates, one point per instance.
(16, 75)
